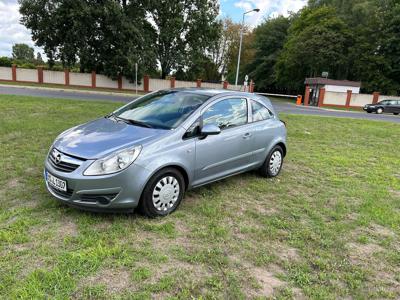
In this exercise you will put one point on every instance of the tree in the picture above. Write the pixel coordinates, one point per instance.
(182, 30)
(318, 40)
(23, 52)
(5, 61)
(220, 49)
(39, 59)
(269, 39)
(106, 36)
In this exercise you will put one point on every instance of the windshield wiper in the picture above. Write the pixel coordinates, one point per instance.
(135, 122)
(129, 121)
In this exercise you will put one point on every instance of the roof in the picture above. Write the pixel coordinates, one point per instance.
(205, 91)
(326, 81)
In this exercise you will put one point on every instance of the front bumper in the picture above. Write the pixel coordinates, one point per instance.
(115, 192)
(369, 109)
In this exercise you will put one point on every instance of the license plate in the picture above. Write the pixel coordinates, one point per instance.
(56, 182)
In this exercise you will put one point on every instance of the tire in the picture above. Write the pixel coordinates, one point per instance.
(379, 110)
(163, 193)
(269, 169)
(395, 114)
(368, 111)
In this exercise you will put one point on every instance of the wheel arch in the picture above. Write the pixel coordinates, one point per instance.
(283, 146)
(179, 168)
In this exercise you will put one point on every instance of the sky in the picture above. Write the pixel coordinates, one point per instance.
(12, 32)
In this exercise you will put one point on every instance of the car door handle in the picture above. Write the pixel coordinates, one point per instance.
(247, 135)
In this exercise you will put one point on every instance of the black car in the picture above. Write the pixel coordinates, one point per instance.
(384, 106)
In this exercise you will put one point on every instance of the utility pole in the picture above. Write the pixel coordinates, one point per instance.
(240, 44)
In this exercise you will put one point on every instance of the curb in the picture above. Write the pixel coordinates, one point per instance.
(67, 90)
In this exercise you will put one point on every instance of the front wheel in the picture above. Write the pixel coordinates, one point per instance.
(273, 163)
(379, 110)
(163, 193)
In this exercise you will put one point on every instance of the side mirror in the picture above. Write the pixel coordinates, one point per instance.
(210, 129)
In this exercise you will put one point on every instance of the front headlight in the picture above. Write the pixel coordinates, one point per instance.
(113, 163)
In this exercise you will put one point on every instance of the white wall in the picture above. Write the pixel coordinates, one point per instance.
(84, 79)
(342, 89)
(5, 73)
(106, 82)
(208, 85)
(361, 99)
(335, 98)
(383, 97)
(185, 84)
(159, 84)
(27, 75)
(126, 85)
(53, 77)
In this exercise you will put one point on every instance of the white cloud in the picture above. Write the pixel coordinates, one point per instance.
(11, 31)
(269, 8)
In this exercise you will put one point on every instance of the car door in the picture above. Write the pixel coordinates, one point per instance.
(228, 152)
(263, 131)
(396, 107)
(389, 106)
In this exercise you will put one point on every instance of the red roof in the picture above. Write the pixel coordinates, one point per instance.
(326, 81)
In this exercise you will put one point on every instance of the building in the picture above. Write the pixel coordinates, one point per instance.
(314, 86)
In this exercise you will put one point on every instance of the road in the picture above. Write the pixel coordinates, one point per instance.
(280, 106)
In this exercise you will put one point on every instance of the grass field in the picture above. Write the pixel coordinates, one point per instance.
(327, 228)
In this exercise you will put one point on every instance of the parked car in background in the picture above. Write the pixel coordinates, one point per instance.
(384, 106)
(150, 151)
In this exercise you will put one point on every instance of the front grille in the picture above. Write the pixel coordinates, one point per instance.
(60, 193)
(63, 166)
(93, 198)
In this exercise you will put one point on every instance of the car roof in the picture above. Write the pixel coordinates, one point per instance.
(211, 92)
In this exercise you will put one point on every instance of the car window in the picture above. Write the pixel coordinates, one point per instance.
(165, 109)
(259, 112)
(227, 113)
(193, 130)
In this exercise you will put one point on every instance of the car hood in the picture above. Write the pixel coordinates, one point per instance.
(103, 136)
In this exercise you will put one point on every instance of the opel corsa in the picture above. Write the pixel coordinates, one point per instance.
(147, 153)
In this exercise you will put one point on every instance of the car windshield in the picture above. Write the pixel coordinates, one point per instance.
(165, 109)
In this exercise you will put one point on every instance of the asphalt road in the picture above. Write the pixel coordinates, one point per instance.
(280, 106)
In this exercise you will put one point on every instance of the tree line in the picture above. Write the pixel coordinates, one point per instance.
(355, 40)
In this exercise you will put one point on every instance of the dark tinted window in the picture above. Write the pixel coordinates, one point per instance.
(227, 113)
(165, 109)
(259, 112)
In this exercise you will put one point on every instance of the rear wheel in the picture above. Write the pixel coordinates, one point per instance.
(379, 110)
(163, 193)
(273, 163)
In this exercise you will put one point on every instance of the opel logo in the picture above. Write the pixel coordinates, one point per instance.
(58, 158)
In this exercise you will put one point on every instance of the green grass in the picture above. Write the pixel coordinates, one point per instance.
(328, 227)
(72, 87)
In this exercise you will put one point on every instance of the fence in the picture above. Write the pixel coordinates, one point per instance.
(349, 99)
(93, 80)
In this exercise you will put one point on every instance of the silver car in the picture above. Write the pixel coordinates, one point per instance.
(147, 153)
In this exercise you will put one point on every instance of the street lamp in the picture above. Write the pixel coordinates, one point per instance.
(240, 45)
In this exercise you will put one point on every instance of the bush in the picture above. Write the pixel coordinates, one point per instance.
(27, 66)
(5, 61)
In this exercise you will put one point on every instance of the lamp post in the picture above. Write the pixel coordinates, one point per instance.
(240, 45)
